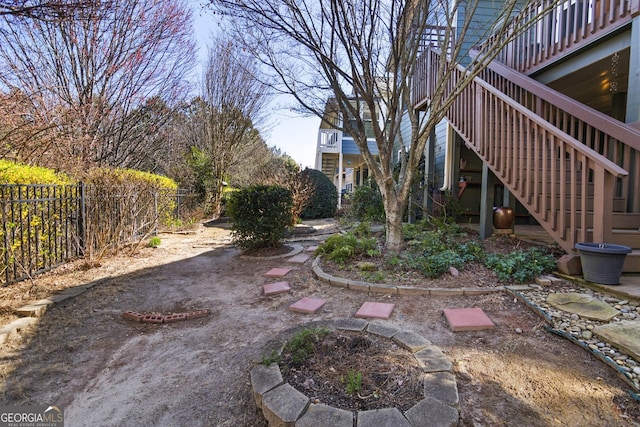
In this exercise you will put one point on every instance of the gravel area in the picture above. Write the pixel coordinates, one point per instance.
(579, 329)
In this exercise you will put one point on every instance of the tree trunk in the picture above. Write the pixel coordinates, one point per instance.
(394, 210)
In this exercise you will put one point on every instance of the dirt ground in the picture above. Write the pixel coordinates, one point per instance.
(107, 371)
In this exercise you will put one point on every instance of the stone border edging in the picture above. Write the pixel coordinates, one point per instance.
(380, 288)
(33, 311)
(283, 405)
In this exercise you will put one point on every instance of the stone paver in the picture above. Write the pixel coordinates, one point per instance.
(36, 309)
(299, 259)
(375, 310)
(357, 325)
(411, 341)
(276, 288)
(263, 379)
(441, 386)
(625, 335)
(277, 272)
(283, 405)
(324, 415)
(431, 412)
(387, 417)
(382, 329)
(307, 305)
(468, 319)
(432, 359)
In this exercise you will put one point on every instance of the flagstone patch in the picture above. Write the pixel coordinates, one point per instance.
(625, 335)
(583, 305)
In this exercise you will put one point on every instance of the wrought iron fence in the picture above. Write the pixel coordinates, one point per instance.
(44, 226)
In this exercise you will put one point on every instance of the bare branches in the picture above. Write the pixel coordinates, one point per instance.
(95, 70)
(222, 124)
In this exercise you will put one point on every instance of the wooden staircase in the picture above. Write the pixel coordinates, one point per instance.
(559, 158)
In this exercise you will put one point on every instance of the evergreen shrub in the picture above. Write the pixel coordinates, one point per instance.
(323, 202)
(260, 215)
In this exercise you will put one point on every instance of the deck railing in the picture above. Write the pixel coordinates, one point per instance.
(328, 141)
(608, 137)
(553, 174)
(562, 28)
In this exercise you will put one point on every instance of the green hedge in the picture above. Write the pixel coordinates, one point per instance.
(260, 215)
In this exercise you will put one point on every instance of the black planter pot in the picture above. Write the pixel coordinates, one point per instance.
(602, 262)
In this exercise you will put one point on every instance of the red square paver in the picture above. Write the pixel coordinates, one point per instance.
(300, 258)
(468, 319)
(276, 288)
(307, 305)
(277, 272)
(376, 310)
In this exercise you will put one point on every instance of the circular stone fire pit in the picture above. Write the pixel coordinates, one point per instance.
(283, 405)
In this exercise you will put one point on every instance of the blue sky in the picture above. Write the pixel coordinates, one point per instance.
(292, 133)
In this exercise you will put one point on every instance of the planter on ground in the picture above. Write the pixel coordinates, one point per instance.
(602, 262)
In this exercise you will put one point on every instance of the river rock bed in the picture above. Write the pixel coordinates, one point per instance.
(580, 329)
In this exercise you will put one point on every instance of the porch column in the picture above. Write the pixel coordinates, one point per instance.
(633, 89)
(633, 110)
(340, 179)
(486, 202)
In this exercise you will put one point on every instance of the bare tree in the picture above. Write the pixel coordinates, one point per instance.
(92, 73)
(223, 123)
(42, 10)
(362, 55)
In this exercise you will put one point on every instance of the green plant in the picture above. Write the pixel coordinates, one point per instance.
(324, 201)
(260, 215)
(353, 382)
(521, 266)
(366, 203)
(303, 344)
(341, 247)
(154, 242)
(273, 357)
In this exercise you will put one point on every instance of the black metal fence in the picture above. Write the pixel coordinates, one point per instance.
(44, 226)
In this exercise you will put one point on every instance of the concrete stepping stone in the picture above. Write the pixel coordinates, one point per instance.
(277, 272)
(307, 305)
(276, 288)
(375, 310)
(468, 319)
(299, 259)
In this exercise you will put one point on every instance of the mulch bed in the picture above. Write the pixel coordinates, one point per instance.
(391, 376)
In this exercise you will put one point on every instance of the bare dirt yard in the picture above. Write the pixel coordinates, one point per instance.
(108, 371)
